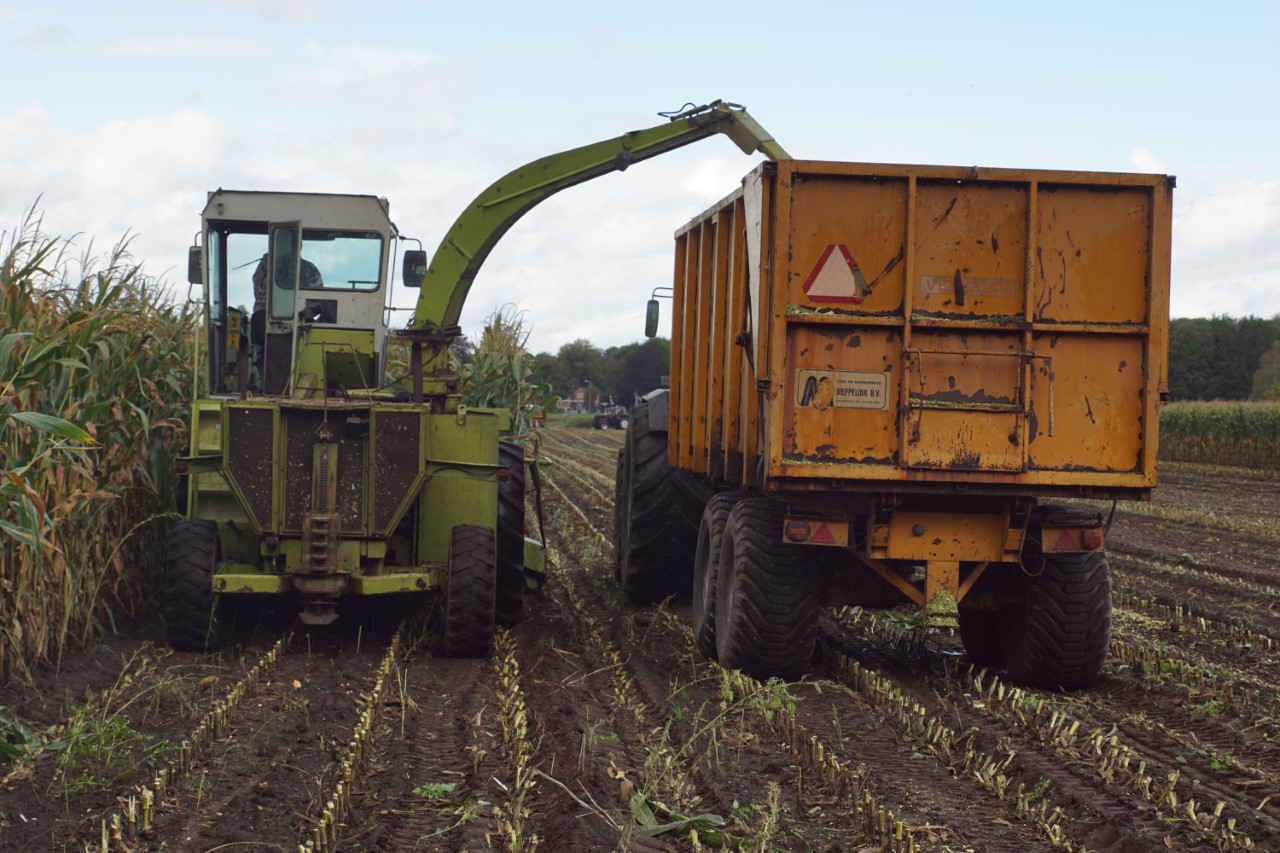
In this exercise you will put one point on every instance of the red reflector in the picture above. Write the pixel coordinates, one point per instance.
(1092, 539)
(797, 530)
(1065, 542)
(822, 536)
(180, 466)
(504, 475)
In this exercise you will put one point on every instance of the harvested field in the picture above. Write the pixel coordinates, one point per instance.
(595, 720)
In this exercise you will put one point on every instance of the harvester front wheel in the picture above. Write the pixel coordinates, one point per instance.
(767, 600)
(1058, 637)
(194, 619)
(470, 592)
(510, 592)
(706, 560)
(660, 509)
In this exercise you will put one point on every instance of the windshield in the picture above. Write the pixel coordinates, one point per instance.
(345, 260)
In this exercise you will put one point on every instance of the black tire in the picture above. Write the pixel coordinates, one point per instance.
(767, 598)
(1058, 637)
(706, 560)
(470, 592)
(619, 513)
(509, 606)
(980, 631)
(194, 619)
(661, 508)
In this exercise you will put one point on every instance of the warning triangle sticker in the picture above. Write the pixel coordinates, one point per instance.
(822, 536)
(835, 278)
(1065, 542)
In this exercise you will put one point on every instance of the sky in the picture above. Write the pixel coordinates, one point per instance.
(118, 118)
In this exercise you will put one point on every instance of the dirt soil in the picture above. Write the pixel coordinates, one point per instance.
(596, 720)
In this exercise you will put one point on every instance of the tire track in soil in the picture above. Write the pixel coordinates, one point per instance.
(1093, 815)
(260, 783)
(1111, 811)
(1091, 792)
(435, 727)
(928, 792)
(153, 690)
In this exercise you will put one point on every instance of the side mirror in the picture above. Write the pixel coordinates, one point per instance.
(195, 265)
(415, 267)
(651, 319)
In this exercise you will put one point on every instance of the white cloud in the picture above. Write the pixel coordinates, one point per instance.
(144, 176)
(1226, 250)
(1142, 160)
(281, 11)
(173, 45)
(40, 38)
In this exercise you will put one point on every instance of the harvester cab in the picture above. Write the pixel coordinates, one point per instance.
(298, 292)
(312, 474)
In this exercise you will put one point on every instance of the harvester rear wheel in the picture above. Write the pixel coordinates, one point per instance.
(195, 620)
(1058, 637)
(470, 592)
(509, 608)
(660, 509)
(706, 560)
(980, 632)
(767, 599)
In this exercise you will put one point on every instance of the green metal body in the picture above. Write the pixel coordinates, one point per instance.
(323, 477)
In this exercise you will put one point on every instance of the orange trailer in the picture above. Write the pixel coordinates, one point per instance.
(879, 373)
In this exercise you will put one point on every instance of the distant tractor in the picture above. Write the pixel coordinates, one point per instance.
(885, 381)
(615, 417)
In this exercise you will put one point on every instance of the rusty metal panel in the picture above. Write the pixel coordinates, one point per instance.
(251, 431)
(912, 327)
(731, 355)
(397, 461)
(676, 437)
(702, 329)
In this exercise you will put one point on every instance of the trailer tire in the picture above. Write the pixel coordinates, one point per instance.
(509, 607)
(767, 599)
(619, 513)
(706, 560)
(661, 507)
(195, 619)
(980, 631)
(1058, 637)
(469, 592)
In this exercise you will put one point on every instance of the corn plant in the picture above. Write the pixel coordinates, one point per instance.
(1241, 434)
(94, 396)
(500, 375)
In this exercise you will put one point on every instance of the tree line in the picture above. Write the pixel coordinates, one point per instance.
(1224, 358)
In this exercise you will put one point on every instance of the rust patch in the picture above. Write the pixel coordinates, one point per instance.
(854, 341)
(995, 244)
(959, 288)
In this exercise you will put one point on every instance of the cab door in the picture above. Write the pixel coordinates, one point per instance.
(284, 247)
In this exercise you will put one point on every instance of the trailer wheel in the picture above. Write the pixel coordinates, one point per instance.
(469, 592)
(1058, 637)
(767, 598)
(660, 509)
(706, 559)
(509, 608)
(195, 619)
(619, 513)
(980, 632)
